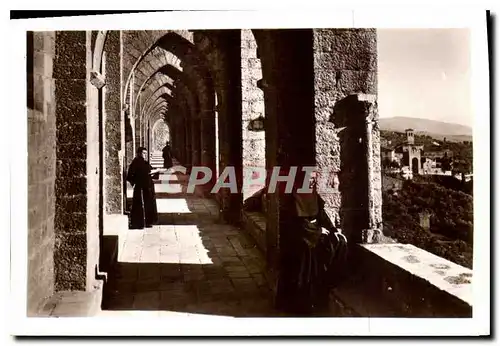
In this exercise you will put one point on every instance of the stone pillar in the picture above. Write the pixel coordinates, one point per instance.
(373, 233)
(287, 67)
(196, 141)
(134, 141)
(173, 126)
(137, 132)
(114, 137)
(41, 167)
(345, 68)
(208, 146)
(112, 126)
(230, 122)
(129, 141)
(77, 171)
(254, 142)
(189, 141)
(181, 133)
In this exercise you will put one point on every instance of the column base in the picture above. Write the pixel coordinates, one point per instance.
(114, 226)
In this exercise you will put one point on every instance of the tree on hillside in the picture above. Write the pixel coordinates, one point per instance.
(451, 231)
(394, 164)
(446, 163)
(386, 163)
(462, 161)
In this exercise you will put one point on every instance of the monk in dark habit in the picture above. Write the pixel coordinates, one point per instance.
(312, 250)
(144, 212)
(167, 156)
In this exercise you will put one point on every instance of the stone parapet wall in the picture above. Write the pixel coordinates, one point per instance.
(401, 280)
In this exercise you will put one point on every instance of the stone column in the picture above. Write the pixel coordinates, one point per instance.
(195, 140)
(189, 141)
(173, 126)
(345, 68)
(254, 142)
(287, 68)
(137, 132)
(208, 146)
(113, 129)
(374, 232)
(230, 122)
(181, 131)
(114, 138)
(135, 144)
(77, 170)
(129, 141)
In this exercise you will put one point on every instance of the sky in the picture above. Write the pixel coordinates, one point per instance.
(425, 73)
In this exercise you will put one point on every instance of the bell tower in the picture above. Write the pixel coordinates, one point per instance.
(410, 136)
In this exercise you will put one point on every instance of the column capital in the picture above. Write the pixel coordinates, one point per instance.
(97, 79)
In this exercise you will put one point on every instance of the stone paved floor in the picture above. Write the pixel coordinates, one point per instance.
(188, 264)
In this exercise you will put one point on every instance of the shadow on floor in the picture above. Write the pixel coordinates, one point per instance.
(190, 264)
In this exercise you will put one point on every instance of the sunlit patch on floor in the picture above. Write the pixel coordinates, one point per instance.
(182, 244)
(173, 205)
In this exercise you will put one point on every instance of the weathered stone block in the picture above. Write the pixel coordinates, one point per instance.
(38, 41)
(34, 236)
(73, 111)
(36, 192)
(70, 50)
(38, 92)
(70, 91)
(71, 204)
(71, 240)
(70, 268)
(68, 186)
(258, 106)
(71, 168)
(70, 222)
(71, 133)
(357, 82)
(71, 151)
(39, 63)
(49, 42)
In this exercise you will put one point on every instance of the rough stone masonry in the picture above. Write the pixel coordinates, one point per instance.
(95, 96)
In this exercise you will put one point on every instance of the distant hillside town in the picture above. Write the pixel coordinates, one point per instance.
(406, 155)
(428, 193)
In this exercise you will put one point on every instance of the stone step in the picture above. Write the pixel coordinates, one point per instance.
(74, 303)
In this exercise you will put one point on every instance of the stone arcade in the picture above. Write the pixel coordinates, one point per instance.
(95, 96)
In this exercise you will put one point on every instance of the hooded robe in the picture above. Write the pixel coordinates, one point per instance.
(167, 157)
(308, 258)
(144, 212)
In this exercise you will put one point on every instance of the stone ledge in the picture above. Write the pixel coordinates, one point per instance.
(401, 280)
(255, 224)
(445, 275)
(114, 224)
(73, 303)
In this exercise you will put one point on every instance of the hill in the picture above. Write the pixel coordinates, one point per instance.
(435, 129)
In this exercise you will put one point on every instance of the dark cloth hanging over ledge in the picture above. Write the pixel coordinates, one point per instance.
(310, 261)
